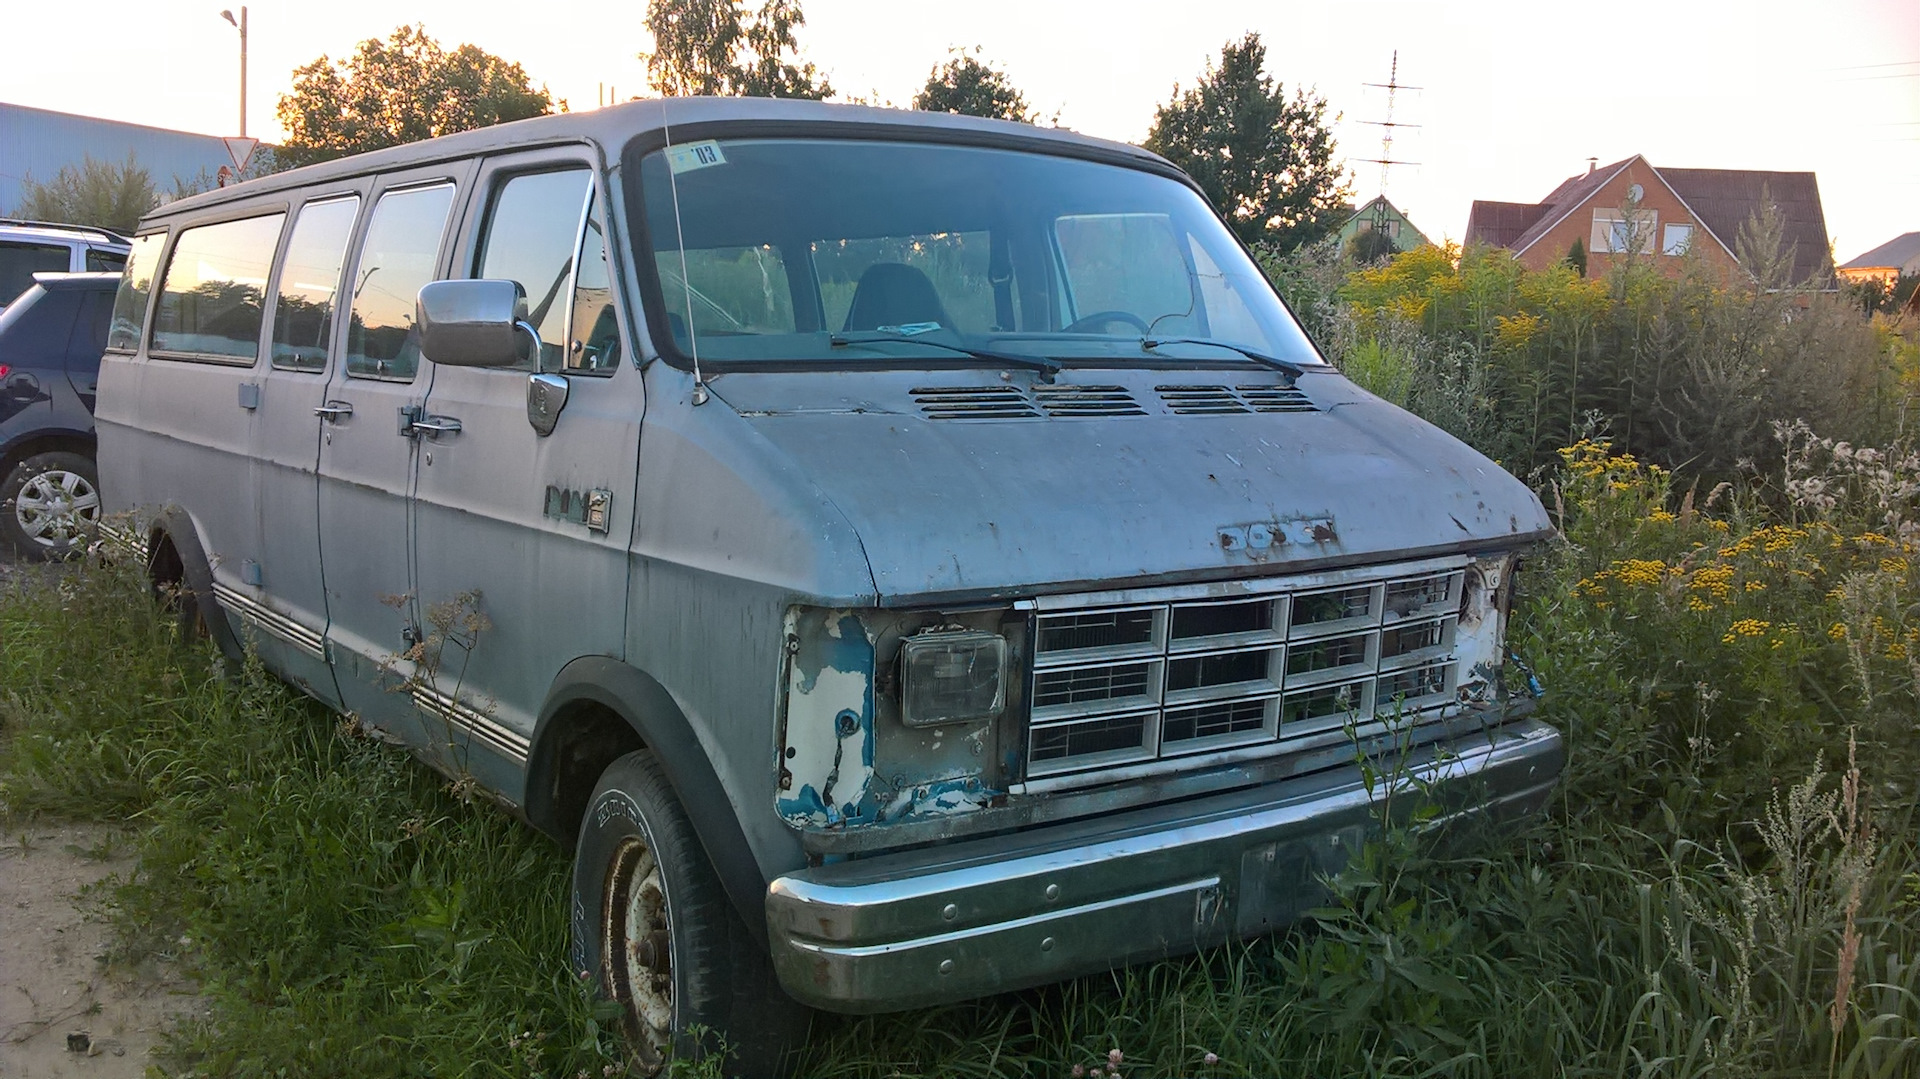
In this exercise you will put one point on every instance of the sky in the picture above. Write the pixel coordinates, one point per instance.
(1513, 96)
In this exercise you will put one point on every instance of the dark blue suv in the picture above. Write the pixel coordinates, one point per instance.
(51, 339)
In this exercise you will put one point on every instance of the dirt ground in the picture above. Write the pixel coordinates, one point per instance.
(65, 1010)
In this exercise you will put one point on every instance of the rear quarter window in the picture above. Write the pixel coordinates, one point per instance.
(213, 293)
(20, 261)
(34, 332)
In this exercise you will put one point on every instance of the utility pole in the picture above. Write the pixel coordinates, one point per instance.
(241, 25)
(1386, 160)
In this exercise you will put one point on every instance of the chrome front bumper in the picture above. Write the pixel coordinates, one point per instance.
(992, 915)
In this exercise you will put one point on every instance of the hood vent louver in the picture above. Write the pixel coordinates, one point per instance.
(1068, 400)
(1228, 400)
(975, 403)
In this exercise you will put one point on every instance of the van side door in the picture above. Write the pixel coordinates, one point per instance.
(290, 609)
(521, 534)
(369, 445)
(198, 401)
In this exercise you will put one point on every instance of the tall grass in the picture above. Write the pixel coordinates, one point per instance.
(1724, 884)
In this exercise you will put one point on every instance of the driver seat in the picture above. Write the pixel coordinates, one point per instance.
(894, 294)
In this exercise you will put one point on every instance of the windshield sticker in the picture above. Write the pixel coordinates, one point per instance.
(694, 155)
(911, 329)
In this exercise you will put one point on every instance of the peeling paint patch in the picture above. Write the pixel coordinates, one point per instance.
(827, 755)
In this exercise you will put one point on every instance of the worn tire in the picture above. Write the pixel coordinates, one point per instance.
(643, 889)
(49, 504)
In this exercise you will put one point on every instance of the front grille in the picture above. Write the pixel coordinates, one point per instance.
(1145, 682)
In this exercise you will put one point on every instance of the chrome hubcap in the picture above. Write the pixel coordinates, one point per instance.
(636, 953)
(53, 509)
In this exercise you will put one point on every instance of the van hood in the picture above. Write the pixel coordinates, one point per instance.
(974, 485)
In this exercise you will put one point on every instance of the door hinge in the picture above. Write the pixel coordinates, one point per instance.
(409, 414)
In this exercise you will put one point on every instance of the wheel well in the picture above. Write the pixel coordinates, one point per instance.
(70, 442)
(166, 570)
(587, 737)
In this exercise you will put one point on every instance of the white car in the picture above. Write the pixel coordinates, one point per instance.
(30, 247)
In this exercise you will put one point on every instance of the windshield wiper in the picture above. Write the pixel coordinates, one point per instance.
(1046, 365)
(1148, 344)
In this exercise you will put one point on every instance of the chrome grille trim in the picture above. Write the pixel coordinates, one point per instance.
(1236, 669)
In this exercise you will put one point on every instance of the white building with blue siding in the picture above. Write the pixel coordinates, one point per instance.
(38, 143)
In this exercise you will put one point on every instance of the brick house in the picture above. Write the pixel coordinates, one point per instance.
(1661, 213)
(1886, 264)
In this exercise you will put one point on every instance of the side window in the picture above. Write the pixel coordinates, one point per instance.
(136, 283)
(19, 262)
(532, 232)
(309, 279)
(212, 293)
(1128, 263)
(595, 348)
(101, 260)
(397, 257)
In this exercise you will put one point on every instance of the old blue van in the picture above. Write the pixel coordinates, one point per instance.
(909, 557)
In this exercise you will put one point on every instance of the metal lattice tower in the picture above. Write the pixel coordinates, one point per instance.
(1388, 126)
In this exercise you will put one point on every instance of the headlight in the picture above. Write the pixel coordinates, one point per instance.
(952, 676)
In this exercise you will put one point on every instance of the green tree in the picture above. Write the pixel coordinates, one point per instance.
(968, 87)
(714, 48)
(400, 90)
(98, 193)
(1265, 159)
(1577, 256)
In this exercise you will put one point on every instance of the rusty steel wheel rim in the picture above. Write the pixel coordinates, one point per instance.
(636, 950)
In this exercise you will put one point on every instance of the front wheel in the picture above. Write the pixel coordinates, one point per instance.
(654, 931)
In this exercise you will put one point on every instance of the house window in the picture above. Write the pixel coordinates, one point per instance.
(1615, 232)
(1676, 239)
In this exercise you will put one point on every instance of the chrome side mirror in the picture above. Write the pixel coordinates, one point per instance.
(473, 323)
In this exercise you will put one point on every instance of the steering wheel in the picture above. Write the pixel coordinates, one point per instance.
(1086, 323)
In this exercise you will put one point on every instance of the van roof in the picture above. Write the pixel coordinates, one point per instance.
(613, 126)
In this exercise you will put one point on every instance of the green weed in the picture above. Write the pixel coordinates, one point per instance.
(1722, 887)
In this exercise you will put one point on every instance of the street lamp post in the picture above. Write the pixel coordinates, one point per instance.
(241, 25)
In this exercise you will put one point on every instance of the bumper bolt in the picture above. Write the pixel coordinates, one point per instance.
(946, 966)
(1046, 944)
(1052, 892)
(950, 912)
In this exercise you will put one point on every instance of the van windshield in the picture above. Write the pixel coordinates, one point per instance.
(887, 252)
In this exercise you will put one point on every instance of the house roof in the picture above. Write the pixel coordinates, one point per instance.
(1564, 199)
(1501, 223)
(1895, 253)
(1722, 199)
(1725, 199)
